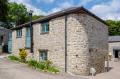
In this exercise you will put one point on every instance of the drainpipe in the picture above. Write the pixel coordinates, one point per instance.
(31, 32)
(66, 43)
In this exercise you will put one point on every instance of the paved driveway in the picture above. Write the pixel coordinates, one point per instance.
(12, 70)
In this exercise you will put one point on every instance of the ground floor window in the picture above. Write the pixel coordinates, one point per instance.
(43, 55)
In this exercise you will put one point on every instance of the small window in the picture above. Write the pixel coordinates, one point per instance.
(19, 33)
(45, 27)
(43, 55)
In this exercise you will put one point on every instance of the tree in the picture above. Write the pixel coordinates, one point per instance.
(3, 10)
(113, 27)
(17, 13)
(14, 14)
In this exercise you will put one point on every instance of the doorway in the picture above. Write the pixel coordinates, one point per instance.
(116, 53)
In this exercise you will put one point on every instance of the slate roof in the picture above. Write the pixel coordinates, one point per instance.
(114, 39)
(61, 13)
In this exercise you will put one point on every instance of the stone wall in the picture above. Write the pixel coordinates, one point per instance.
(52, 41)
(18, 43)
(98, 42)
(77, 45)
(87, 44)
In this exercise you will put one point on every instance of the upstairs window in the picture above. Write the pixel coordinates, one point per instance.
(43, 55)
(45, 27)
(19, 33)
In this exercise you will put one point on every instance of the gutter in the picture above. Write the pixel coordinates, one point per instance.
(65, 43)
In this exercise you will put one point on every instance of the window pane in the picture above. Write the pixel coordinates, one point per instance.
(19, 33)
(28, 31)
(28, 42)
(43, 55)
(28, 38)
(10, 43)
(45, 27)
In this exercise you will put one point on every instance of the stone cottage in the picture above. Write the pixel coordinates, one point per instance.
(114, 47)
(74, 39)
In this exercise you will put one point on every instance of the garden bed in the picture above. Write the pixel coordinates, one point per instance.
(45, 66)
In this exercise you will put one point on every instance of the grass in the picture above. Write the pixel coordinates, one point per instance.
(53, 69)
(13, 57)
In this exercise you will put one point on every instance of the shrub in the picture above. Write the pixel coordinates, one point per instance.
(13, 57)
(41, 66)
(32, 63)
(46, 65)
(23, 55)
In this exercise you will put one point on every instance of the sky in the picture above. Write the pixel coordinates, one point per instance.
(105, 9)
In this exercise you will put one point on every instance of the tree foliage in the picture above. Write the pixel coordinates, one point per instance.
(34, 17)
(3, 10)
(14, 14)
(113, 27)
(17, 13)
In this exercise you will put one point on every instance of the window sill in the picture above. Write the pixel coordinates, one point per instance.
(44, 33)
(27, 47)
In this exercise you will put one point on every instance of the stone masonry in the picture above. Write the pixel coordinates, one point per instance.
(52, 41)
(87, 43)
